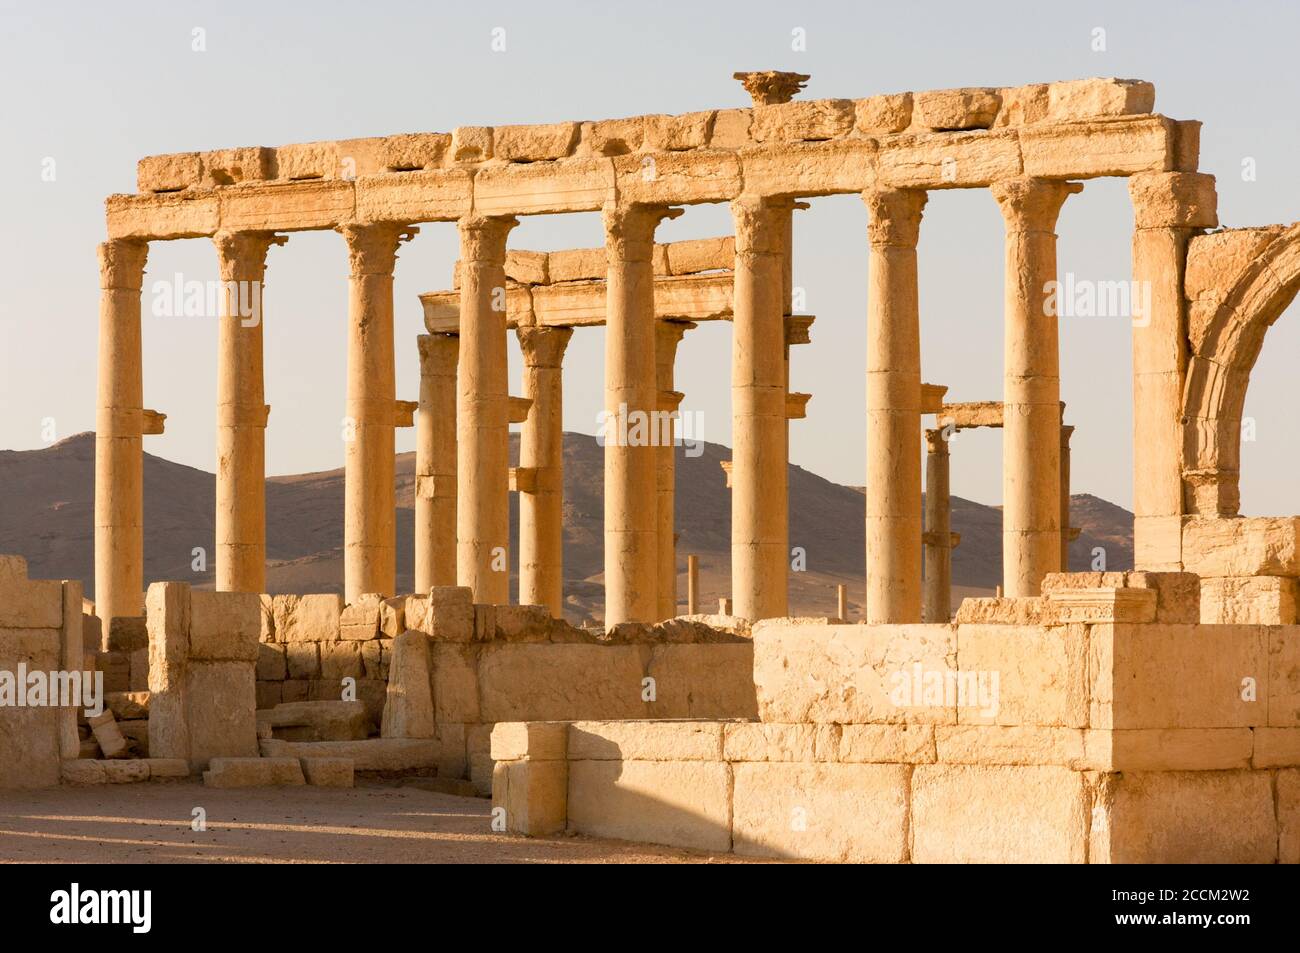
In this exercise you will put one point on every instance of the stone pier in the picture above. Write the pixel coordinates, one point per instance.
(1168, 209)
(1031, 464)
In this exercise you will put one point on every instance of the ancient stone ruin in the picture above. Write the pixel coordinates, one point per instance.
(1084, 717)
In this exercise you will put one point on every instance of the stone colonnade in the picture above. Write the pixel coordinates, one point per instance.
(1024, 144)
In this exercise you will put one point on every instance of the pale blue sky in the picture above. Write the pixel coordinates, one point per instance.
(96, 86)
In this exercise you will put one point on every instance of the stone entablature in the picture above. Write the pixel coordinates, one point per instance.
(931, 140)
(694, 281)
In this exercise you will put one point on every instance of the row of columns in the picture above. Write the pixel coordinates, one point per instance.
(1032, 526)
(640, 572)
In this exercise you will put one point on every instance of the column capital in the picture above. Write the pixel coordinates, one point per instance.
(242, 255)
(1030, 204)
(758, 225)
(436, 350)
(936, 440)
(483, 237)
(772, 87)
(895, 216)
(1173, 200)
(630, 229)
(670, 332)
(121, 263)
(372, 247)
(543, 346)
(1067, 431)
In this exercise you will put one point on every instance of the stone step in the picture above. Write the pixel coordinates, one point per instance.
(374, 754)
(253, 772)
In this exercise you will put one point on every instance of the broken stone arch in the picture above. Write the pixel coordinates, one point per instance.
(1238, 283)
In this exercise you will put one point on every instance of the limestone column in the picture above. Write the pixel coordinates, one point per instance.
(483, 413)
(370, 497)
(119, 459)
(1168, 208)
(631, 399)
(1031, 439)
(241, 413)
(759, 530)
(893, 490)
(937, 586)
(435, 463)
(1066, 532)
(541, 449)
(668, 334)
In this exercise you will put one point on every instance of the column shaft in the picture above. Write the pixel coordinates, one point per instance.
(119, 460)
(370, 501)
(482, 413)
(541, 449)
(668, 335)
(241, 413)
(435, 464)
(893, 523)
(631, 400)
(759, 528)
(937, 602)
(1065, 498)
(1031, 439)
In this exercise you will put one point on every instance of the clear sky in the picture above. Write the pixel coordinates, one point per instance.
(94, 86)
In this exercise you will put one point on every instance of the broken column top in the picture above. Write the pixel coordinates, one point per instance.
(772, 87)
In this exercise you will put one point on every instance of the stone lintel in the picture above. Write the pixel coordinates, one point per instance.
(705, 297)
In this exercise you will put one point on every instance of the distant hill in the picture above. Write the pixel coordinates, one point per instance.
(47, 509)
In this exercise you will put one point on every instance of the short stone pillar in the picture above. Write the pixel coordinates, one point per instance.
(370, 493)
(937, 585)
(483, 413)
(1031, 414)
(119, 454)
(203, 649)
(1168, 208)
(893, 491)
(241, 413)
(759, 528)
(631, 397)
(541, 450)
(435, 463)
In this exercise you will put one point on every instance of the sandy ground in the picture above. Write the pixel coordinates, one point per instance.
(151, 823)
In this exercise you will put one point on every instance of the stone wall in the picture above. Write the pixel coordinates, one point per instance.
(502, 663)
(1108, 736)
(202, 650)
(1249, 568)
(40, 630)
